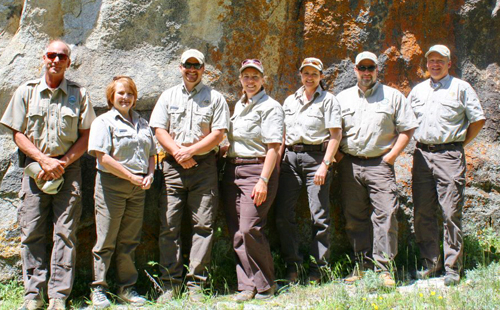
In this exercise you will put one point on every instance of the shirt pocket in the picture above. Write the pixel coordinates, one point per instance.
(450, 109)
(383, 114)
(347, 120)
(68, 123)
(177, 118)
(36, 122)
(314, 120)
(418, 108)
(202, 117)
(123, 144)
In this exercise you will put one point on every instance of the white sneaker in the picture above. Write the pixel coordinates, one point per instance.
(130, 295)
(57, 304)
(99, 298)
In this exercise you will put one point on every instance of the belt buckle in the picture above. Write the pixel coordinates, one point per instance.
(431, 147)
(298, 148)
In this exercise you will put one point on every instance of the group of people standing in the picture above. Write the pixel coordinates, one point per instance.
(274, 151)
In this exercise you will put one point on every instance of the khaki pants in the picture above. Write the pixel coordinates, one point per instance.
(39, 210)
(246, 222)
(119, 210)
(194, 190)
(439, 184)
(370, 205)
(298, 170)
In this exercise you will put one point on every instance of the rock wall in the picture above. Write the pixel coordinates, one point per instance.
(144, 39)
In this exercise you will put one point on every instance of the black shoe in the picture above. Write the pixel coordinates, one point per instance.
(267, 294)
(292, 274)
(451, 278)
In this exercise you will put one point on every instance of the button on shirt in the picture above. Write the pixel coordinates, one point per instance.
(309, 122)
(129, 143)
(444, 110)
(190, 116)
(255, 124)
(371, 121)
(50, 119)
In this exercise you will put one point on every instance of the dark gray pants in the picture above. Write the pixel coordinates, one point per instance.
(439, 184)
(195, 190)
(297, 170)
(246, 222)
(34, 220)
(119, 212)
(370, 205)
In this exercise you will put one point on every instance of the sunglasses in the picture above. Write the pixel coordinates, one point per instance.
(251, 61)
(311, 62)
(189, 65)
(364, 68)
(52, 56)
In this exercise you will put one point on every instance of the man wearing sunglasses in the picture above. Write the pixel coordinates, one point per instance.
(377, 124)
(190, 120)
(50, 118)
(450, 116)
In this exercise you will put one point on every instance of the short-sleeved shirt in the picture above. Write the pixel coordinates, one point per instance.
(255, 124)
(190, 116)
(309, 122)
(50, 119)
(444, 110)
(372, 121)
(129, 143)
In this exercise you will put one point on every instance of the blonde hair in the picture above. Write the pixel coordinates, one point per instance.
(111, 89)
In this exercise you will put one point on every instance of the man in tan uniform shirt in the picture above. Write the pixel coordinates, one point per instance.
(50, 119)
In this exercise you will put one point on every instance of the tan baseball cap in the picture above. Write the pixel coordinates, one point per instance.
(192, 53)
(366, 55)
(440, 49)
(312, 62)
(50, 187)
(252, 63)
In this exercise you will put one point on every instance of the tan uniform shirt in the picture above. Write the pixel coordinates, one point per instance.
(255, 124)
(309, 122)
(372, 121)
(444, 110)
(130, 144)
(189, 117)
(50, 120)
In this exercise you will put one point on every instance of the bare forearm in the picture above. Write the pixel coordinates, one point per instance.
(473, 131)
(270, 161)
(166, 140)
(401, 142)
(27, 147)
(114, 167)
(333, 143)
(77, 149)
(208, 143)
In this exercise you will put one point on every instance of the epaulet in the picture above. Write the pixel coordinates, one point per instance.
(33, 82)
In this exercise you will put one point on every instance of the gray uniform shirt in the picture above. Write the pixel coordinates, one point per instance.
(372, 121)
(130, 144)
(444, 110)
(253, 125)
(309, 122)
(49, 119)
(190, 116)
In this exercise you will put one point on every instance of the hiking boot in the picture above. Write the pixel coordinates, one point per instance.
(292, 274)
(195, 294)
(99, 298)
(451, 278)
(266, 295)
(130, 296)
(355, 276)
(244, 296)
(170, 292)
(425, 273)
(387, 279)
(57, 304)
(31, 304)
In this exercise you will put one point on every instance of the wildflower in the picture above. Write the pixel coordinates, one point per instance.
(433, 293)
(381, 298)
(364, 298)
(440, 297)
(421, 295)
(375, 306)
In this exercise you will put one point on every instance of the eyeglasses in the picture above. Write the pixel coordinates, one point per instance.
(53, 55)
(189, 65)
(365, 68)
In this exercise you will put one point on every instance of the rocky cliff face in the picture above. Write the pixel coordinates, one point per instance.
(144, 39)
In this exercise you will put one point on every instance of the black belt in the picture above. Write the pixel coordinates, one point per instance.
(439, 147)
(246, 160)
(300, 148)
(365, 157)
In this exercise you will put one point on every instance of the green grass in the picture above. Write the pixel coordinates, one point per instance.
(478, 289)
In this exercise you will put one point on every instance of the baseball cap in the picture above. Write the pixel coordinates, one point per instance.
(252, 63)
(441, 49)
(366, 55)
(50, 187)
(312, 62)
(192, 53)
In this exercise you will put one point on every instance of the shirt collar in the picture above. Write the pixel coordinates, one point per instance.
(195, 90)
(255, 99)
(117, 114)
(369, 92)
(300, 92)
(62, 86)
(442, 82)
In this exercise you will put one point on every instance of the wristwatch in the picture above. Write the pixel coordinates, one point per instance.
(266, 180)
(327, 162)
